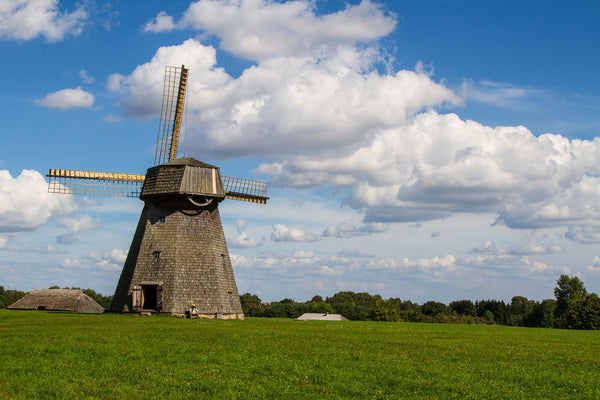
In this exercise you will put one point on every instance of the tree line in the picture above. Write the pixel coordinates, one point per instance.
(573, 308)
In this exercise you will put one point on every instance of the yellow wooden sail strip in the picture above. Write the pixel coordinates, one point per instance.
(107, 176)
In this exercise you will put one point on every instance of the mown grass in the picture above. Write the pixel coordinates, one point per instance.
(63, 355)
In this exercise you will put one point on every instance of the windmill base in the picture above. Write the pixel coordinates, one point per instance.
(178, 258)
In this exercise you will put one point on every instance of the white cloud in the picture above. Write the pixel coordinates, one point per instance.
(499, 94)
(161, 23)
(110, 260)
(283, 233)
(76, 225)
(595, 265)
(115, 255)
(85, 77)
(67, 99)
(345, 230)
(25, 203)
(29, 19)
(528, 246)
(242, 240)
(143, 88)
(263, 29)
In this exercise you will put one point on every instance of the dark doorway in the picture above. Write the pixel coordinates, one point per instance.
(149, 293)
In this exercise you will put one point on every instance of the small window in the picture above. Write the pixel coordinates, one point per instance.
(161, 220)
(156, 255)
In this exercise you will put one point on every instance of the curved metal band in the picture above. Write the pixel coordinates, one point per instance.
(207, 201)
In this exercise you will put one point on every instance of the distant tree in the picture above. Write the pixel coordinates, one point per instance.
(499, 310)
(568, 289)
(488, 316)
(316, 299)
(463, 307)
(384, 310)
(286, 308)
(432, 308)
(583, 313)
(568, 292)
(541, 315)
(251, 305)
(7, 297)
(54, 287)
(321, 307)
(354, 306)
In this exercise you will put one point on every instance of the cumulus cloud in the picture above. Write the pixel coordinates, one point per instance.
(25, 203)
(526, 247)
(161, 23)
(283, 233)
(317, 108)
(345, 230)
(262, 29)
(67, 99)
(76, 225)
(29, 19)
(352, 253)
(115, 255)
(242, 240)
(142, 89)
(110, 260)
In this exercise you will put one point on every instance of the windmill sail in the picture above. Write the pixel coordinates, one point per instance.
(70, 181)
(245, 189)
(170, 116)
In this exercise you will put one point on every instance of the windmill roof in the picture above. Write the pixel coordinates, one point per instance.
(189, 161)
(57, 300)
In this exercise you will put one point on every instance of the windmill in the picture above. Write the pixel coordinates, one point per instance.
(178, 256)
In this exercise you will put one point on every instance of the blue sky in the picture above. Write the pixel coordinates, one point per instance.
(427, 150)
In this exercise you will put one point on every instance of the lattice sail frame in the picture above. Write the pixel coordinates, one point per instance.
(175, 83)
(70, 181)
(95, 183)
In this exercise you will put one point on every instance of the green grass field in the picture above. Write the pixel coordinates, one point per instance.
(62, 355)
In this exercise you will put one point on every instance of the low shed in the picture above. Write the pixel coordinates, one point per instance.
(57, 300)
(321, 317)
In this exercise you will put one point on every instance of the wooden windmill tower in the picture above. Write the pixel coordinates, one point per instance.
(178, 256)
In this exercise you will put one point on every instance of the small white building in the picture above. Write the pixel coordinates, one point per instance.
(321, 317)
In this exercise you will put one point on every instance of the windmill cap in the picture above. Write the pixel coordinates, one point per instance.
(189, 161)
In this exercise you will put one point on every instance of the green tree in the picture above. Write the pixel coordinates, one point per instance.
(354, 306)
(384, 310)
(432, 308)
(321, 307)
(569, 292)
(251, 304)
(316, 299)
(463, 307)
(7, 297)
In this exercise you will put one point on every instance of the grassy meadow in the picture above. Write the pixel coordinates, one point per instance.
(64, 355)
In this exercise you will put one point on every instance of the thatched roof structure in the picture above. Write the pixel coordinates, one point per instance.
(57, 300)
(321, 317)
